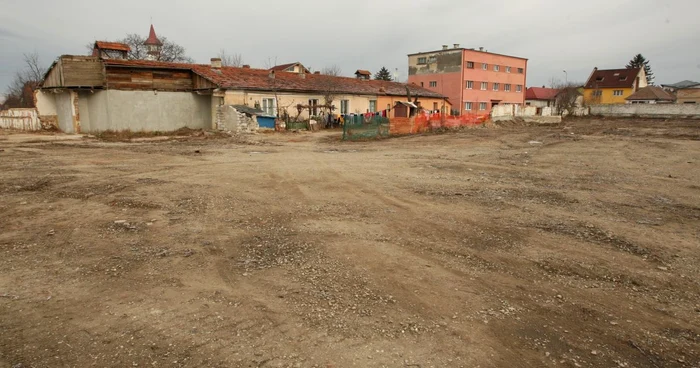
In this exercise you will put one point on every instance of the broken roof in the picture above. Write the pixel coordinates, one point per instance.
(363, 72)
(651, 93)
(260, 80)
(613, 78)
(541, 93)
(112, 46)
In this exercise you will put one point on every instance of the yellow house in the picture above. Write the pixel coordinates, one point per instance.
(613, 86)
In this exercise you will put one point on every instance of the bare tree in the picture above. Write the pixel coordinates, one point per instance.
(20, 92)
(568, 98)
(333, 70)
(227, 59)
(170, 52)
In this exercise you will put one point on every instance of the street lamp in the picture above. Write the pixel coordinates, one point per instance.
(566, 77)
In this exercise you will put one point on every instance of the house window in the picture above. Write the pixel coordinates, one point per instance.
(470, 64)
(422, 60)
(506, 87)
(496, 86)
(470, 84)
(482, 105)
(344, 106)
(433, 83)
(484, 66)
(372, 105)
(521, 70)
(432, 59)
(518, 88)
(597, 93)
(313, 107)
(468, 106)
(435, 106)
(496, 68)
(617, 92)
(268, 106)
(507, 69)
(623, 78)
(421, 84)
(599, 79)
(484, 86)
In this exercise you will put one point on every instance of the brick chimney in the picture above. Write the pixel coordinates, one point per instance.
(215, 63)
(456, 45)
(444, 47)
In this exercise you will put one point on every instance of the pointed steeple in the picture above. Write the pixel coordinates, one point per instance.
(152, 38)
(153, 44)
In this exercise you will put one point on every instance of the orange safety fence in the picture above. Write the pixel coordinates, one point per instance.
(426, 122)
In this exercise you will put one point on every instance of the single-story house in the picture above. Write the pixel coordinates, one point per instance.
(686, 92)
(650, 95)
(93, 94)
(541, 96)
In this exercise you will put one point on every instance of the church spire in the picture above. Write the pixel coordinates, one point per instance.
(154, 45)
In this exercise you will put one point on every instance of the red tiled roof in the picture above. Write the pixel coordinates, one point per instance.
(112, 46)
(152, 38)
(652, 93)
(363, 72)
(613, 78)
(540, 93)
(259, 79)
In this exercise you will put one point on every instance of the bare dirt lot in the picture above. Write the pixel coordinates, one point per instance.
(567, 246)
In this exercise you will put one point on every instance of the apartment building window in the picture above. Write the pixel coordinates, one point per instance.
(484, 66)
(496, 86)
(521, 70)
(617, 92)
(422, 60)
(470, 65)
(518, 88)
(470, 84)
(506, 87)
(372, 105)
(468, 106)
(344, 106)
(433, 83)
(484, 86)
(268, 106)
(482, 105)
(507, 69)
(421, 84)
(496, 68)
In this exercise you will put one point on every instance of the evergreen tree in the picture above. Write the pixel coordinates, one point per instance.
(638, 61)
(383, 74)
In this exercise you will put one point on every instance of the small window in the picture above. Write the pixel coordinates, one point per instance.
(468, 106)
(506, 87)
(496, 68)
(432, 59)
(422, 60)
(484, 86)
(518, 88)
(623, 78)
(344, 107)
(421, 84)
(470, 65)
(482, 105)
(484, 66)
(268, 106)
(496, 86)
(435, 106)
(617, 92)
(433, 83)
(372, 105)
(521, 70)
(597, 93)
(507, 69)
(599, 79)
(470, 84)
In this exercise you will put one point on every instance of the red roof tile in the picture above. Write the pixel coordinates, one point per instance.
(152, 38)
(613, 78)
(112, 46)
(540, 93)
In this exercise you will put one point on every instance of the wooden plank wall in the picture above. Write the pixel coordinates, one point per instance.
(82, 72)
(144, 79)
(201, 83)
(54, 77)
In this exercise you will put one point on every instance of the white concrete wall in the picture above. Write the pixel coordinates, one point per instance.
(357, 104)
(64, 111)
(537, 103)
(648, 110)
(20, 119)
(141, 111)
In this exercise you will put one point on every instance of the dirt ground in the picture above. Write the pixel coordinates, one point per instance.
(564, 246)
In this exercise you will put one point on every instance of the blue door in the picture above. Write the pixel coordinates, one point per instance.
(266, 122)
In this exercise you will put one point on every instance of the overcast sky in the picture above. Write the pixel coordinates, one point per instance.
(367, 34)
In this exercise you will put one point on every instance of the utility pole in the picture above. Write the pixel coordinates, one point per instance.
(566, 78)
